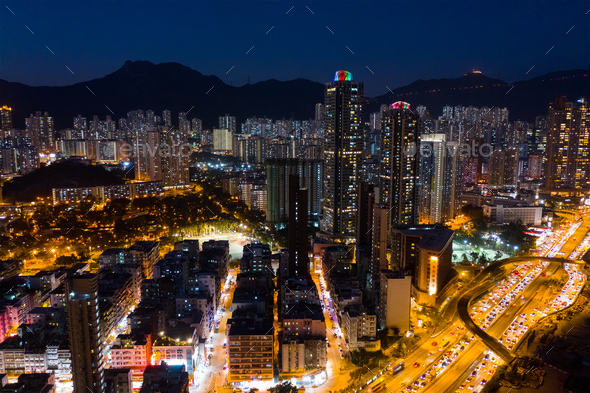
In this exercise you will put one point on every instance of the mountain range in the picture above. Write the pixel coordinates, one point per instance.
(144, 85)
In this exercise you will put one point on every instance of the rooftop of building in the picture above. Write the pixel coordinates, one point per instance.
(432, 237)
(113, 251)
(248, 327)
(137, 338)
(309, 311)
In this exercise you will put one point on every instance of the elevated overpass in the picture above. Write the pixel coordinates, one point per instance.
(475, 288)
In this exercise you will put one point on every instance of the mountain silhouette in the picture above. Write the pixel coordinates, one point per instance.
(144, 85)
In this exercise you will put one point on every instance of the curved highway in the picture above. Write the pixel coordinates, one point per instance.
(474, 289)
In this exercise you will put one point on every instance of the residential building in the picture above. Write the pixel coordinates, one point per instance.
(250, 350)
(568, 145)
(86, 340)
(343, 120)
(401, 130)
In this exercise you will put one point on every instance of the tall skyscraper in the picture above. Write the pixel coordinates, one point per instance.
(440, 180)
(148, 158)
(432, 185)
(400, 141)
(503, 168)
(40, 130)
(228, 122)
(167, 117)
(184, 124)
(175, 158)
(343, 119)
(319, 111)
(568, 145)
(298, 239)
(85, 335)
(277, 185)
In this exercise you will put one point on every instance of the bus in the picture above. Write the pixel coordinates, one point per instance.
(397, 367)
(375, 388)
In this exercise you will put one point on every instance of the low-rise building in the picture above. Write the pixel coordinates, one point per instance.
(165, 378)
(132, 351)
(526, 215)
(359, 326)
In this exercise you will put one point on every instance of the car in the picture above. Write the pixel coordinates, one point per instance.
(462, 387)
(484, 381)
(434, 344)
(471, 387)
(416, 364)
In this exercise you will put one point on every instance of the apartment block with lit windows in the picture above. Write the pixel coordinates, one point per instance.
(250, 350)
(343, 119)
(568, 145)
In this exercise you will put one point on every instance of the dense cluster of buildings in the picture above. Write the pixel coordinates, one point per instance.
(140, 314)
(378, 193)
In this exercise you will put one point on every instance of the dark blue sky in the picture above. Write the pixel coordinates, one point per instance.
(399, 41)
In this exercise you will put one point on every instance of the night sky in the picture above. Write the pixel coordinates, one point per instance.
(399, 41)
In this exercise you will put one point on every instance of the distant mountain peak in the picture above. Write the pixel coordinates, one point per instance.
(144, 85)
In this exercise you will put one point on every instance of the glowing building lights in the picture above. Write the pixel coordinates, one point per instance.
(400, 105)
(433, 275)
(342, 76)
